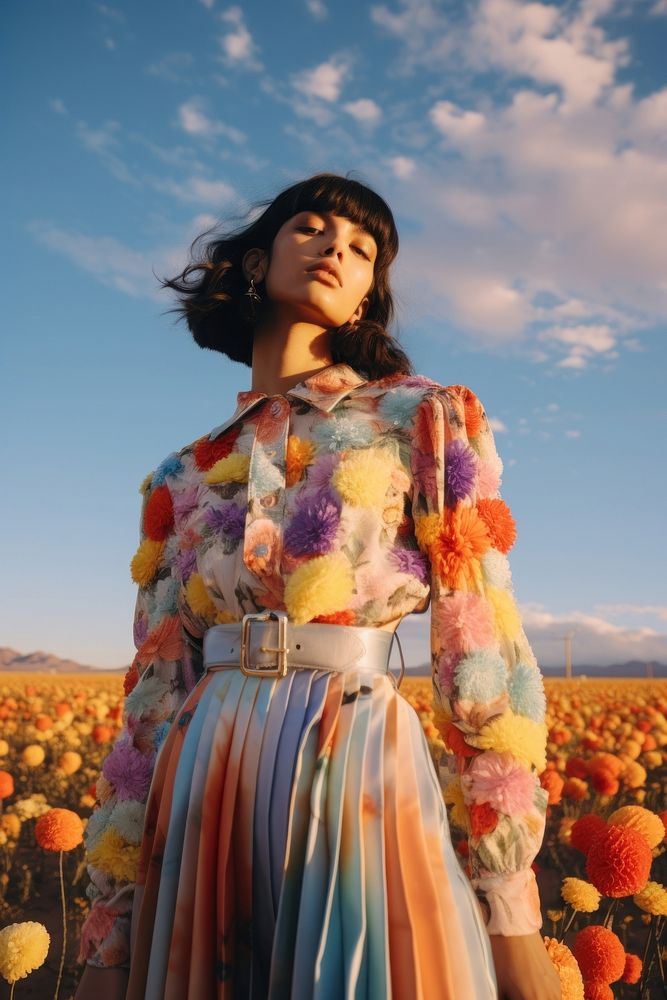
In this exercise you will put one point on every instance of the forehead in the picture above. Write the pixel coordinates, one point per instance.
(356, 226)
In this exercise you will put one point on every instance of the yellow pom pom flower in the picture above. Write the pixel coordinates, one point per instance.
(505, 615)
(453, 796)
(197, 597)
(522, 737)
(225, 618)
(231, 469)
(652, 899)
(581, 896)
(567, 967)
(146, 561)
(114, 855)
(33, 755)
(427, 530)
(321, 586)
(642, 820)
(23, 948)
(363, 477)
(70, 762)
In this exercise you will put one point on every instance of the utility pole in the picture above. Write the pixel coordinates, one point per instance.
(568, 654)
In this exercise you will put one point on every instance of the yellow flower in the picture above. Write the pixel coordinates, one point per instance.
(505, 615)
(11, 825)
(233, 468)
(225, 618)
(569, 973)
(634, 775)
(146, 483)
(522, 737)
(4, 748)
(427, 530)
(581, 896)
(364, 477)
(642, 820)
(320, 586)
(197, 597)
(652, 899)
(70, 762)
(33, 755)
(114, 855)
(23, 948)
(300, 453)
(453, 796)
(146, 561)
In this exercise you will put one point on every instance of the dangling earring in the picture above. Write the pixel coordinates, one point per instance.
(254, 297)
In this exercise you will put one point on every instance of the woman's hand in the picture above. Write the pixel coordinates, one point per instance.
(523, 968)
(102, 984)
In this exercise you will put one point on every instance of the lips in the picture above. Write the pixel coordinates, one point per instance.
(327, 269)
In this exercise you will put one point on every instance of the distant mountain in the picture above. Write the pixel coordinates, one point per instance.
(46, 663)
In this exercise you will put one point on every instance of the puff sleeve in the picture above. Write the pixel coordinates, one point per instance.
(154, 690)
(488, 690)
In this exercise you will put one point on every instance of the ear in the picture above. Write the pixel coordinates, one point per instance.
(359, 312)
(255, 264)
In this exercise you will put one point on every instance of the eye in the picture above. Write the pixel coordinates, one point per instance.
(308, 229)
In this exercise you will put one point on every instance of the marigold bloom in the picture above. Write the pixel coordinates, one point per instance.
(606, 761)
(33, 755)
(571, 983)
(6, 785)
(604, 782)
(643, 820)
(575, 789)
(596, 989)
(599, 953)
(461, 542)
(499, 521)
(633, 968)
(619, 861)
(585, 830)
(582, 896)
(146, 561)
(634, 775)
(101, 734)
(23, 948)
(59, 830)
(575, 767)
(552, 782)
(652, 899)
(70, 762)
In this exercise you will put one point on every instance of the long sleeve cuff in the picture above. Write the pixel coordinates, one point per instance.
(513, 901)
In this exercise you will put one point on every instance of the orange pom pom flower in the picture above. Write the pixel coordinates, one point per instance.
(619, 862)
(599, 953)
(585, 830)
(498, 519)
(59, 830)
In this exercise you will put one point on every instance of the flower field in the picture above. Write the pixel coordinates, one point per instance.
(601, 868)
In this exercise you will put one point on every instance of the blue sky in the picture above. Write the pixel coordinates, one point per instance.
(522, 148)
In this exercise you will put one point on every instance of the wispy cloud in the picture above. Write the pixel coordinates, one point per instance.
(364, 110)
(324, 81)
(317, 9)
(238, 47)
(194, 120)
(173, 66)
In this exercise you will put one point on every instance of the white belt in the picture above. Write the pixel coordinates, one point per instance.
(266, 644)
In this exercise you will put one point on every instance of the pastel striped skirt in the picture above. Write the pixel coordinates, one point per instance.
(296, 845)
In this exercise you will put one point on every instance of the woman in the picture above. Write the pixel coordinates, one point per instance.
(290, 838)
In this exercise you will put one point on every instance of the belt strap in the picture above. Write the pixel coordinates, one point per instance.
(314, 646)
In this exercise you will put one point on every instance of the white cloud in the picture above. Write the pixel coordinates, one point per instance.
(573, 434)
(104, 143)
(194, 120)
(402, 166)
(656, 610)
(456, 123)
(317, 9)
(197, 189)
(497, 425)
(582, 342)
(237, 45)
(58, 106)
(364, 110)
(323, 82)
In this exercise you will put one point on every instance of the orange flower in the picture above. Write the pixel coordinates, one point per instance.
(575, 767)
(595, 989)
(604, 782)
(633, 968)
(159, 514)
(101, 734)
(575, 789)
(599, 953)
(619, 862)
(59, 830)
(501, 525)
(461, 542)
(6, 785)
(165, 641)
(43, 722)
(474, 412)
(455, 742)
(483, 819)
(131, 678)
(346, 617)
(206, 453)
(299, 454)
(552, 782)
(607, 762)
(585, 830)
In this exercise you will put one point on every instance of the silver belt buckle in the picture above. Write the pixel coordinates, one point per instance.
(280, 670)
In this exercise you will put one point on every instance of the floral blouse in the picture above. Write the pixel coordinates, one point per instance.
(354, 502)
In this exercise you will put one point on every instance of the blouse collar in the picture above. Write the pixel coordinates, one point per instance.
(323, 390)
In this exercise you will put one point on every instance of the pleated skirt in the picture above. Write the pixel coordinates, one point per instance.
(296, 845)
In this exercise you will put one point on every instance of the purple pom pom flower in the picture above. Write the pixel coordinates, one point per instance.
(313, 528)
(411, 562)
(128, 770)
(460, 472)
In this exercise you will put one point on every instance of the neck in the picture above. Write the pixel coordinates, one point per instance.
(285, 355)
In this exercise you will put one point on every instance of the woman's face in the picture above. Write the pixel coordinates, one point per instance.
(324, 298)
